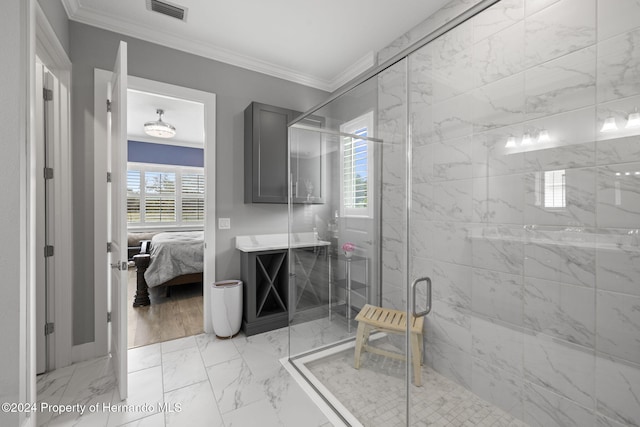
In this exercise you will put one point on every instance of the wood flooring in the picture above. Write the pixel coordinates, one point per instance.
(167, 318)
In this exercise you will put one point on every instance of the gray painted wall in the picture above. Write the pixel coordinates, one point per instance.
(12, 214)
(235, 88)
(57, 17)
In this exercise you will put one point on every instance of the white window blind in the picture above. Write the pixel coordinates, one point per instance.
(160, 197)
(357, 167)
(193, 198)
(355, 172)
(164, 195)
(133, 196)
(554, 189)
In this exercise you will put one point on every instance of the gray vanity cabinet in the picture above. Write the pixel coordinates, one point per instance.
(265, 157)
(265, 153)
(265, 277)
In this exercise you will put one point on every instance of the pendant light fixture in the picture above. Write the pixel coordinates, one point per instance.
(159, 128)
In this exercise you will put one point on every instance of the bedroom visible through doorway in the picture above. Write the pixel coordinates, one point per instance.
(165, 202)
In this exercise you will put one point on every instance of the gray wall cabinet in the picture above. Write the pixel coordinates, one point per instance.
(265, 157)
(265, 153)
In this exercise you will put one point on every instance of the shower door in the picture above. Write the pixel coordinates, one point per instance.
(525, 137)
(360, 254)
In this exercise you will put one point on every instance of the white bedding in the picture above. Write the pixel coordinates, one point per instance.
(174, 254)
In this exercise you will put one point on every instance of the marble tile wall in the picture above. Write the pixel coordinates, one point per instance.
(536, 309)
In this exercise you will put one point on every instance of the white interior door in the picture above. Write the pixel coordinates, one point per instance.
(45, 83)
(41, 300)
(117, 137)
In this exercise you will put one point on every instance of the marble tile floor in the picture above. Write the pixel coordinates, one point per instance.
(204, 381)
(376, 394)
(193, 381)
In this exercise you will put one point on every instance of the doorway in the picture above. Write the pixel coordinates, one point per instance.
(52, 185)
(165, 194)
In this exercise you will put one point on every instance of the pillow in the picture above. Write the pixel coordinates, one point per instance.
(134, 239)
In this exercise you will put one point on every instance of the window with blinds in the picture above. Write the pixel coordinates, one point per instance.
(164, 195)
(357, 167)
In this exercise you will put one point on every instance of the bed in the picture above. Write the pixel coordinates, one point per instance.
(169, 259)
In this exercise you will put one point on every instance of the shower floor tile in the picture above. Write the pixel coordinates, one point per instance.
(375, 394)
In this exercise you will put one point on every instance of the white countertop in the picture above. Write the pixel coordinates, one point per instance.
(268, 242)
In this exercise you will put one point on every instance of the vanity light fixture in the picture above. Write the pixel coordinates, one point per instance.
(633, 121)
(511, 142)
(159, 128)
(609, 125)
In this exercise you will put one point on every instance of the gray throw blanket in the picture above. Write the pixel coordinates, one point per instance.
(174, 254)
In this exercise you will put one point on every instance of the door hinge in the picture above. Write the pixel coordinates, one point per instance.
(49, 328)
(48, 173)
(108, 317)
(108, 105)
(47, 94)
(109, 247)
(48, 251)
(108, 176)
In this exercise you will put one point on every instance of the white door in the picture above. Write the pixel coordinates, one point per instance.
(117, 163)
(44, 229)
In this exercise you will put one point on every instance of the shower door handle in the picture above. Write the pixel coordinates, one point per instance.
(414, 286)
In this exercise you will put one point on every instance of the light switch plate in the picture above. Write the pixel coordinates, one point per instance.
(224, 223)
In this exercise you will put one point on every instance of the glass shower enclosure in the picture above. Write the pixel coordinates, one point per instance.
(499, 157)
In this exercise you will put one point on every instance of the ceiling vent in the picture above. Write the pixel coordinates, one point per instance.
(168, 9)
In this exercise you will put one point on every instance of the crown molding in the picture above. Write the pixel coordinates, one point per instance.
(71, 7)
(47, 43)
(354, 70)
(136, 30)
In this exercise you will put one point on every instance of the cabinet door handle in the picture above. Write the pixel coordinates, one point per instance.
(414, 286)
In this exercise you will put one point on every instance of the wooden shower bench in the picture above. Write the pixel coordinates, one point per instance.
(393, 321)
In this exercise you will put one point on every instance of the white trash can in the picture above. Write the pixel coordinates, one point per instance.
(226, 307)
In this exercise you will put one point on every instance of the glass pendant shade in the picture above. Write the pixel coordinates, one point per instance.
(633, 121)
(609, 125)
(543, 136)
(159, 128)
(511, 142)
